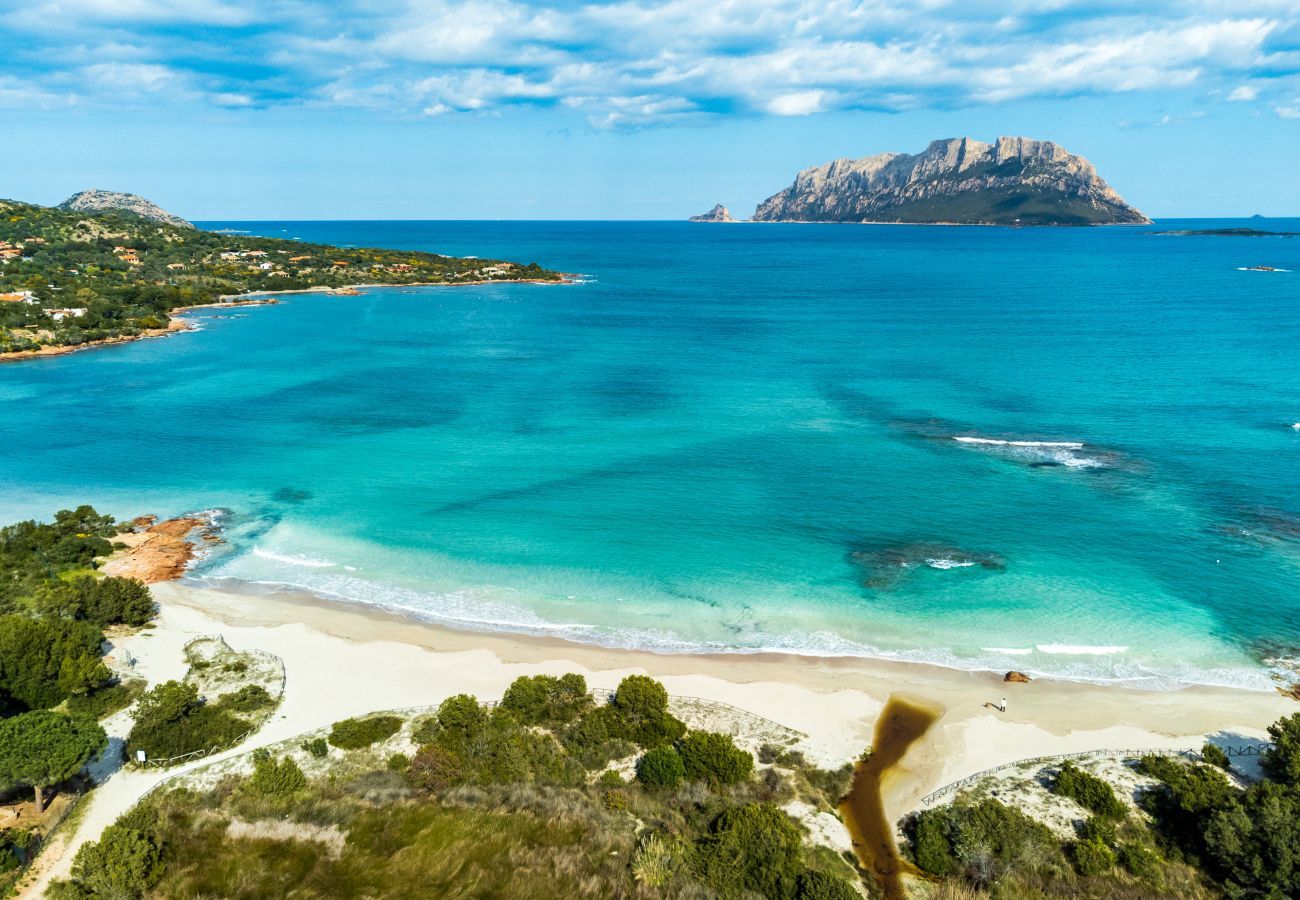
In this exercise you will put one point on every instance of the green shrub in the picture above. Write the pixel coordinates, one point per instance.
(615, 800)
(171, 721)
(248, 699)
(1140, 861)
(1088, 791)
(641, 713)
(1282, 760)
(660, 767)
(1091, 857)
(547, 700)
(1214, 756)
(1097, 828)
(103, 702)
(123, 863)
(597, 738)
(931, 844)
(274, 778)
(316, 747)
(714, 758)
(821, 886)
(984, 840)
(399, 762)
(610, 778)
(434, 769)
(755, 848)
(237, 667)
(40, 749)
(44, 661)
(353, 734)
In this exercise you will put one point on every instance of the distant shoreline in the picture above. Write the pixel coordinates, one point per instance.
(254, 298)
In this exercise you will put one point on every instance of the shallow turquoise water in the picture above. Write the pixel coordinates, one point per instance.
(741, 438)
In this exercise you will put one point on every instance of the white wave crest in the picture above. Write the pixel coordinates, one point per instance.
(945, 563)
(294, 559)
(1080, 649)
(1009, 651)
(1064, 445)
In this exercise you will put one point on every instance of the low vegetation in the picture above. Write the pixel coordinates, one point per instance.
(514, 800)
(1202, 835)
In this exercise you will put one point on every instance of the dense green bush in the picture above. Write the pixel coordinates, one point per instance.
(276, 778)
(353, 734)
(982, 840)
(1214, 756)
(1140, 860)
(123, 864)
(714, 758)
(641, 707)
(106, 700)
(755, 848)
(1248, 840)
(39, 749)
(317, 747)
(250, 698)
(45, 661)
(547, 700)
(171, 721)
(1089, 791)
(597, 738)
(660, 767)
(435, 769)
(102, 601)
(1091, 857)
(820, 886)
(1282, 760)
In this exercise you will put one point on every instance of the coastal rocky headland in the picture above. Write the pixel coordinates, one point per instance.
(1013, 181)
(156, 551)
(719, 213)
(97, 201)
(104, 268)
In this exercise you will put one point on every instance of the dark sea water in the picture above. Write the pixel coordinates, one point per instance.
(1066, 451)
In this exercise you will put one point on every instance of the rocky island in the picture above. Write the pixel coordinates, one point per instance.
(1013, 181)
(719, 213)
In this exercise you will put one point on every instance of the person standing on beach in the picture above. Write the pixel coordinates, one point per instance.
(1003, 705)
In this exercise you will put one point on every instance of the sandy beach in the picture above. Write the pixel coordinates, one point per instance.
(345, 659)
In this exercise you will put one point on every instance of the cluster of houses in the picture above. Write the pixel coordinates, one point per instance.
(29, 298)
(14, 250)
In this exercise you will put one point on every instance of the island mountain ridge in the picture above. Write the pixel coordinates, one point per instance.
(1015, 180)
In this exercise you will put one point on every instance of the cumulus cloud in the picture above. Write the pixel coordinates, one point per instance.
(636, 62)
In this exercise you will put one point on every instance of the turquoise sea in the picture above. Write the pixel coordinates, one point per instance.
(1062, 451)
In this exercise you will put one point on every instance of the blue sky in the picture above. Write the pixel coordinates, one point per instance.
(630, 109)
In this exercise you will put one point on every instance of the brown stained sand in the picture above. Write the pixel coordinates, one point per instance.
(902, 722)
(159, 551)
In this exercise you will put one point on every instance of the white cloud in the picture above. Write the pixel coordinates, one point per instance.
(1288, 112)
(632, 62)
(800, 103)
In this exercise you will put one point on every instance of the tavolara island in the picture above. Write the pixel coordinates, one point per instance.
(1013, 181)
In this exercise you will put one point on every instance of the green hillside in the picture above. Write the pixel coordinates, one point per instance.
(72, 278)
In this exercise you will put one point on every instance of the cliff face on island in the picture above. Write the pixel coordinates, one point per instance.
(719, 213)
(97, 201)
(1012, 181)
